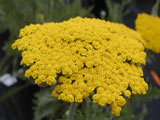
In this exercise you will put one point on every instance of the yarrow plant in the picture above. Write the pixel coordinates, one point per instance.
(149, 26)
(84, 58)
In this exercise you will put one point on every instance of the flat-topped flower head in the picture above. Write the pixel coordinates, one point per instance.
(149, 27)
(91, 57)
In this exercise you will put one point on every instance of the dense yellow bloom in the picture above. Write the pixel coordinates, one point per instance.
(149, 27)
(86, 57)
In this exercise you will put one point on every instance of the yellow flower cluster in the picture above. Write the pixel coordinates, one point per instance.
(149, 27)
(87, 57)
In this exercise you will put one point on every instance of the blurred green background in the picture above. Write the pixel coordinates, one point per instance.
(25, 101)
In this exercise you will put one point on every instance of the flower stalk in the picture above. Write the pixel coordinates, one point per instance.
(155, 8)
(72, 108)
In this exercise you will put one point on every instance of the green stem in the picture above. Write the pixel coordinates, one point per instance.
(155, 8)
(72, 108)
